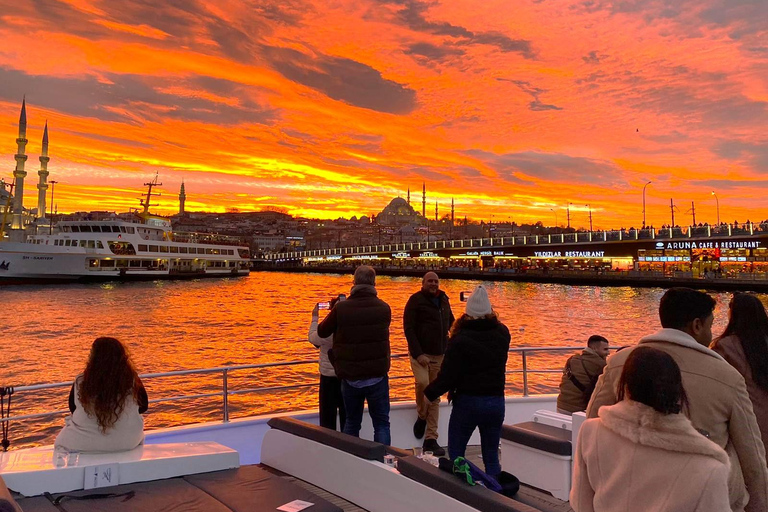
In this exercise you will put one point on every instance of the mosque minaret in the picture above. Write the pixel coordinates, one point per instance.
(42, 186)
(19, 173)
(182, 198)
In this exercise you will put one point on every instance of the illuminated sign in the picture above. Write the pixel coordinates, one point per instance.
(743, 244)
(401, 255)
(428, 254)
(569, 254)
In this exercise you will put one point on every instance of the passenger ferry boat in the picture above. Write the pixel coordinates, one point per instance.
(142, 248)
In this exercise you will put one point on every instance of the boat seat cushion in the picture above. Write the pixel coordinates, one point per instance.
(362, 448)
(245, 489)
(475, 496)
(541, 437)
(252, 488)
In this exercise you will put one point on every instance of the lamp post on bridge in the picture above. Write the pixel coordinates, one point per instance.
(590, 217)
(717, 202)
(644, 187)
(555, 212)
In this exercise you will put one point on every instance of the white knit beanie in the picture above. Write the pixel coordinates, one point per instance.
(478, 304)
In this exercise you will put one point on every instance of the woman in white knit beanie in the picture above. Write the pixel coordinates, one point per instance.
(474, 374)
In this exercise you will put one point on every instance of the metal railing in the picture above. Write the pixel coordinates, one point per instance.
(707, 231)
(226, 392)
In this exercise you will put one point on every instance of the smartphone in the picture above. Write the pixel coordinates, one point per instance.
(342, 297)
(463, 296)
(323, 305)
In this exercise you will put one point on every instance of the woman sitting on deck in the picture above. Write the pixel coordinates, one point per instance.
(642, 453)
(106, 403)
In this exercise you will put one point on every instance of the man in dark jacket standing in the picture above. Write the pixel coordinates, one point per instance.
(427, 319)
(360, 354)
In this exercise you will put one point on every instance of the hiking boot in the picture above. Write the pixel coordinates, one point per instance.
(430, 445)
(419, 427)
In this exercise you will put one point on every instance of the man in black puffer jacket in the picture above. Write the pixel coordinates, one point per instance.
(360, 354)
(427, 318)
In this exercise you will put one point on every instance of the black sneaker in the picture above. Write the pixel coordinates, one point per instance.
(430, 445)
(419, 427)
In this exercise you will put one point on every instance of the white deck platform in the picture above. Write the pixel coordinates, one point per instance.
(38, 470)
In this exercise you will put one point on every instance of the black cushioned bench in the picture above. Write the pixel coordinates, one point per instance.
(246, 489)
(541, 437)
(362, 448)
(474, 496)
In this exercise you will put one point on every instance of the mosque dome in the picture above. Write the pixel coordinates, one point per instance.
(398, 211)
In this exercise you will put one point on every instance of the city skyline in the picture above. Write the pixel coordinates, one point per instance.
(332, 110)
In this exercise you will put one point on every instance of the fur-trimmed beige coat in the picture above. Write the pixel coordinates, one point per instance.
(636, 459)
(718, 404)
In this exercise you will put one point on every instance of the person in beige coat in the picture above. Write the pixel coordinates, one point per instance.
(744, 344)
(719, 403)
(643, 454)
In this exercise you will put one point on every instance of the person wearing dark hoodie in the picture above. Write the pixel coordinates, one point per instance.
(474, 374)
(427, 318)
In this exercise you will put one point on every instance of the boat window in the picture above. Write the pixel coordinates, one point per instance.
(75, 229)
(131, 230)
(66, 243)
(135, 263)
(152, 248)
(96, 229)
(142, 247)
(85, 228)
(208, 251)
(115, 229)
(99, 244)
(122, 229)
(83, 243)
(91, 244)
(122, 263)
(107, 263)
(174, 249)
(216, 251)
(163, 248)
(183, 250)
(92, 263)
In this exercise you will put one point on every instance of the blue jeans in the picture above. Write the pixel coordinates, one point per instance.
(470, 412)
(378, 407)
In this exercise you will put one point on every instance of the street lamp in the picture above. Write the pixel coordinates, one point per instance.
(644, 203)
(590, 216)
(568, 213)
(50, 221)
(555, 212)
(717, 201)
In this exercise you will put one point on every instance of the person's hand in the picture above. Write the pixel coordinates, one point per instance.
(316, 309)
(423, 360)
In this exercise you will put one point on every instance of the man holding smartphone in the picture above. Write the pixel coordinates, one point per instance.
(426, 320)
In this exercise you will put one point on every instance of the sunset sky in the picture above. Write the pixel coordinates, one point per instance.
(332, 108)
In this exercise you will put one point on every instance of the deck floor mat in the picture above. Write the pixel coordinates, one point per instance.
(250, 488)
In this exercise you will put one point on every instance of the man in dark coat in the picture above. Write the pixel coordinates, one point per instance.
(580, 375)
(427, 318)
(361, 354)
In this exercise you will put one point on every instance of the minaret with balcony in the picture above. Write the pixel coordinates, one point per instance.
(42, 186)
(19, 173)
(182, 198)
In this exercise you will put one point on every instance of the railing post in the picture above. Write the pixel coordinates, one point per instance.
(525, 373)
(225, 394)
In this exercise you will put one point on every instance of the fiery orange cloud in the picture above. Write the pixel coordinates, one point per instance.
(511, 109)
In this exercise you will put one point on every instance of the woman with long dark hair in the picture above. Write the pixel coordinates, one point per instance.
(744, 344)
(473, 372)
(106, 402)
(643, 453)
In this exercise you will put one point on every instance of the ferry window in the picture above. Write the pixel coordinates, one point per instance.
(115, 229)
(93, 263)
(83, 243)
(163, 248)
(131, 230)
(208, 251)
(152, 248)
(174, 249)
(142, 247)
(135, 263)
(99, 244)
(230, 252)
(122, 263)
(96, 229)
(66, 243)
(91, 244)
(122, 229)
(85, 229)
(183, 250)
(146, 263)
(107, 263)
(75, 229)
(216, 251)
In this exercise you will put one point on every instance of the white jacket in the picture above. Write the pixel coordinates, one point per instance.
(324, 344)
(634, 458)
(81, 432)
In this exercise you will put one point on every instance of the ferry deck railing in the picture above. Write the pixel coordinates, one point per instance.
(226, 392)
